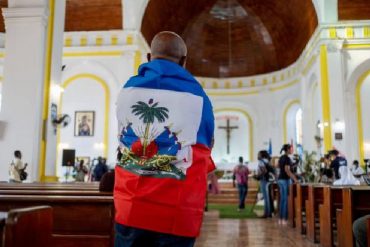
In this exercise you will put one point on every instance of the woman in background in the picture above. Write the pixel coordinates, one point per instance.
(285, 166)
(265, 173)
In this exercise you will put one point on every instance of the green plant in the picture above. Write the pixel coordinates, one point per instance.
(311, 167)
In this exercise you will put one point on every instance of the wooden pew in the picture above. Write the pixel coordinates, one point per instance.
(327, 214)
(3, 216)
(356, 203)
(49, 186)
(315, 198)
(28, 227)
(300, 206)
(275, 195)
(368, 232)
(56, 192)
(291, 207)
(84, 221)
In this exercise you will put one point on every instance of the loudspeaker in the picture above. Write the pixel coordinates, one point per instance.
(69, 156)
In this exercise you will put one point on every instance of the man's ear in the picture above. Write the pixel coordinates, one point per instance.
(182, 61)
(148, 56)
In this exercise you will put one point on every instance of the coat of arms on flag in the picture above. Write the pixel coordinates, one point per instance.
(157, 129)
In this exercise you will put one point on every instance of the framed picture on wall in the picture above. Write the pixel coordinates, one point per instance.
(84, 123)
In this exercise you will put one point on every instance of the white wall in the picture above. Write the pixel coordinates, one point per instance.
(291, 123)
(74, 100)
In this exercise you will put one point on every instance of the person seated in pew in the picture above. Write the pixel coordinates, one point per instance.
(346, 177)
(107, 182)
(356, 169)
(326, 173)
(336, 162)
(360, 231)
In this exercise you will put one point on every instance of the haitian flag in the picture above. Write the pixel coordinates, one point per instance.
(166, 126)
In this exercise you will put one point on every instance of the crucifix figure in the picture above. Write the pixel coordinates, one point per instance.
(228, 129)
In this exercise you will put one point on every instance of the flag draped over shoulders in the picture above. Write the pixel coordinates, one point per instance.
(166, 126)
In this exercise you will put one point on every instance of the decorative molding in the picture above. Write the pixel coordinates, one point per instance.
(25, 15)
(101, 38)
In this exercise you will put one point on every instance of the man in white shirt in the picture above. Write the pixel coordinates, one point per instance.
(15, 167)
(356, 169)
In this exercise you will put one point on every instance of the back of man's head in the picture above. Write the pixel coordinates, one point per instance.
(334, 152)
(170, 46)
(241, 159)
(17, 154)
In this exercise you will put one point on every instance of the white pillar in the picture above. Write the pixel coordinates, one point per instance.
(22, 91)
(58, 16)
(133, 13)
(337, 99)
(326, 10)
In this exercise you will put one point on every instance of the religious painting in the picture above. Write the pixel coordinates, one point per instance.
(84, 123)
(86, 160)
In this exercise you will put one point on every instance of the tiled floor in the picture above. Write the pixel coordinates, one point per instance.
(249, 232)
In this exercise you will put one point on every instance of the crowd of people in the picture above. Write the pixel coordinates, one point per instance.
(334, 170)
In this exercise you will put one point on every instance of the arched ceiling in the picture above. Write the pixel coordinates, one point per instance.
(93, 15)
(231, 38)
(354, 9)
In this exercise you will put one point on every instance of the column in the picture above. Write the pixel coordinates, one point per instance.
(327, 10)
(325, 97)
(53, 76)
(22, 91)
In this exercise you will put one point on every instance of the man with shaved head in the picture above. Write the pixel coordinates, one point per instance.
(166, 127)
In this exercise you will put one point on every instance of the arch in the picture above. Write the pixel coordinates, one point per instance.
(360, 129)
(104, 84)
(133, 13)
(326, 11)
(250, 122)
(100, 69)
(286, 109)
(354, 118)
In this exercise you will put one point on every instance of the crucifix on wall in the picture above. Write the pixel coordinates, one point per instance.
(228, 130)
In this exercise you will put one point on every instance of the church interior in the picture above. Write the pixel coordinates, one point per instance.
(276, 71)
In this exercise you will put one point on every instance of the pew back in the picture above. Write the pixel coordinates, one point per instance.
(356, 203)
(302, 196)
(3, 216)
(56, 192)
(368, 232)
(28, 227)
(49, 186)
(78, 220)
(327, 214)
(291, 206)
(315, 198)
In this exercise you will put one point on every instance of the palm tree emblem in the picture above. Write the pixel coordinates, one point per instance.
(149, 113)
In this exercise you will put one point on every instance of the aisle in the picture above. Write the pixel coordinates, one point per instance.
(250, 232)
